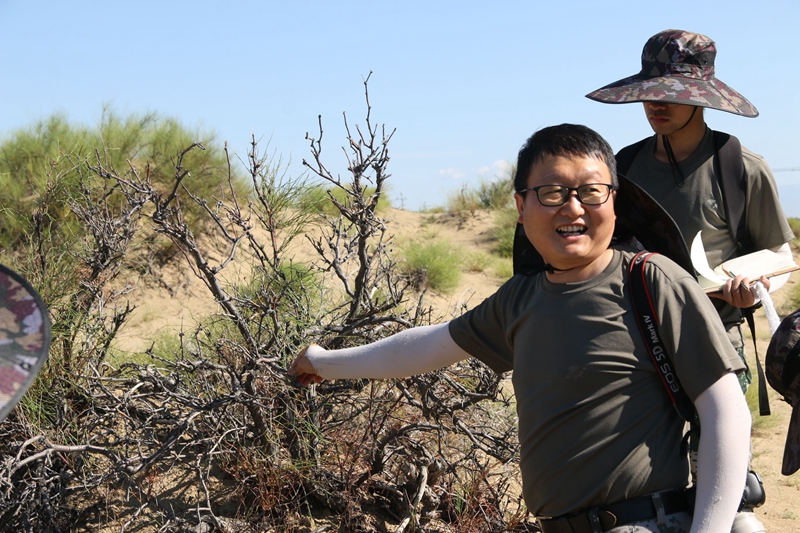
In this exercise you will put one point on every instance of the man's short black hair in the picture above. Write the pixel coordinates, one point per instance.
(563, 140)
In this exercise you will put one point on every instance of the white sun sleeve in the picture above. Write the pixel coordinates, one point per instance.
(408, 353)
(777, 282)
(723, 456)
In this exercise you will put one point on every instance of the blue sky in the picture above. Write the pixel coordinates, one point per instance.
(464, 83)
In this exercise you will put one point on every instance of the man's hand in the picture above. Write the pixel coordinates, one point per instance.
(736, 292)
(303, 370)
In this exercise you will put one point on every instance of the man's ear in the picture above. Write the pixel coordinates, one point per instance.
(613, 199)
(519, 199)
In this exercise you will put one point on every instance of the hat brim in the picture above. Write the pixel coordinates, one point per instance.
(712, 93)
(25, 329)
(791, 453)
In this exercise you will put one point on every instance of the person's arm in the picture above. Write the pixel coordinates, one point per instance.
(777, 282)
(723, 456)
(408, 353)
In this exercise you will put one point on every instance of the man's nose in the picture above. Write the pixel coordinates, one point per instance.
(573, 203)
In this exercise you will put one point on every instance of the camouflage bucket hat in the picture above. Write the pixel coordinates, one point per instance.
(677, 68)
(24, 338)
(783, 374)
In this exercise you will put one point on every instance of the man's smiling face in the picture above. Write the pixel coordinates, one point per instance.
(572, 234)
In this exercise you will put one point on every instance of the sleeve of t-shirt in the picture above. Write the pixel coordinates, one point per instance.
(482, 331)
(765, 219)
(690, 327)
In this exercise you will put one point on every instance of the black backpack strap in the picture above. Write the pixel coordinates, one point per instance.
(763, 397)
(734, 188)
(732, 181)
(648, 326)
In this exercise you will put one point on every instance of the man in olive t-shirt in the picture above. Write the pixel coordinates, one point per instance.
(600, 440)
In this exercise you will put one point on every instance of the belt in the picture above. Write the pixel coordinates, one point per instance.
(616, 514)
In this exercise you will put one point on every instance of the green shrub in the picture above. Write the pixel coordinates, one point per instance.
(43, 167)
(503, 268)
(316, 200)
(794, 223)
(165, 344)
(494, 194)
(477, 261)
(486, 195)
(497, 194)
(293, 286)
(434, 264)
(504, 240)
(503, 231)
(794, 299)
(464, 200)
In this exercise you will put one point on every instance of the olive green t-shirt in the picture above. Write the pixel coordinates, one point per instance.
(595, 422)
(697, 205)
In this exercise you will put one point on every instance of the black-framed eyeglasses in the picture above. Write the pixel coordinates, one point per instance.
(588, 193)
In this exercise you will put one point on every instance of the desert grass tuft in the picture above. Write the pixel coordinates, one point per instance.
(435, 264)
(503, 268)
(477, 261)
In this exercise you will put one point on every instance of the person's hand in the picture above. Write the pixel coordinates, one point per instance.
(737, 293)
(303, 370)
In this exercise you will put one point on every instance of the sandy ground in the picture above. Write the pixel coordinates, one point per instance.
(180, 305)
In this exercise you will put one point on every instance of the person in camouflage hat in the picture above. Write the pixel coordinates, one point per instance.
(783, 373)
(680, 165)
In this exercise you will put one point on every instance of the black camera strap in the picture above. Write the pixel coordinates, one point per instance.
(648, 326)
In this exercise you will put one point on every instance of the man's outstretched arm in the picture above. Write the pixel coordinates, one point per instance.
(408, 353)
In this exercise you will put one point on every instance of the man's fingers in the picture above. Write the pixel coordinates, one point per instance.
(307, 379)
(737, 293)
(293, 368)
(303, 371)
